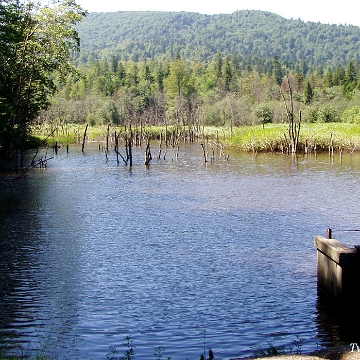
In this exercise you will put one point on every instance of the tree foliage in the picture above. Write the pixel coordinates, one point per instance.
(308, 93)
(190, 69)
(37, 44)
(184, 93)
(255, 36)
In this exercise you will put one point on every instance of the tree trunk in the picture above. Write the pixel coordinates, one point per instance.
(84, 138)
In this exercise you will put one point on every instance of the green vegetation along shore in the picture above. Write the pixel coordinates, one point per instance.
(270, 137)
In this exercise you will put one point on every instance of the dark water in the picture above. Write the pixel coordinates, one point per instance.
(180, 255)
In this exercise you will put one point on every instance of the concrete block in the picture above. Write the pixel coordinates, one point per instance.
(338, 270)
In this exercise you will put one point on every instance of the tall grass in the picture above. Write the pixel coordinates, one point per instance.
(68, 134)
(315, 136)
(271, 137)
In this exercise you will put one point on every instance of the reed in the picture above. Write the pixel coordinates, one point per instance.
(271, 137)
(312, 137)
(68, 134)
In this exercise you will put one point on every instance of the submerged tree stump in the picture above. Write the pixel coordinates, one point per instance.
(148, 156)
(84, 138)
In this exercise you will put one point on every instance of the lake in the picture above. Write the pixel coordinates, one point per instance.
(181, 254)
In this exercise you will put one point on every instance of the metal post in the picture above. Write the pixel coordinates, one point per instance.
(329, 233)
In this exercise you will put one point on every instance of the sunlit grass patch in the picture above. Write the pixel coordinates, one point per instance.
(315, 136)
(271, 137)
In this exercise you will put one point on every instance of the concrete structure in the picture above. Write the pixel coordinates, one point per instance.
(338, 270)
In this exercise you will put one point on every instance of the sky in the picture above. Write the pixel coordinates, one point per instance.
(324, 11)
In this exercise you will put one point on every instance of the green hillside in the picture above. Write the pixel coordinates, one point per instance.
(198, 37)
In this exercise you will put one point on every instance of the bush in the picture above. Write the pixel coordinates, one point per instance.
(312, 116)
(91, 119)
(265, 114)
(328, 114)
(351, 115)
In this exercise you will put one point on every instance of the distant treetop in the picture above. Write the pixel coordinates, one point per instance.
(139, 35)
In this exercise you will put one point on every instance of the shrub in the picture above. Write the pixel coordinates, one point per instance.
(265, 114)
(328, 114)
(351, 115)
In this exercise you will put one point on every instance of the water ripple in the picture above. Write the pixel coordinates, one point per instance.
(179, 255)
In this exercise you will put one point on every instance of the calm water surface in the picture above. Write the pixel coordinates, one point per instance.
(180, 255)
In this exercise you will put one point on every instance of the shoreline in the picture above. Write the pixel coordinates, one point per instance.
(343, 352)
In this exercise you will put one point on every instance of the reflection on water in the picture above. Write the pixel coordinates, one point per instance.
(337, 325)
(181, 254)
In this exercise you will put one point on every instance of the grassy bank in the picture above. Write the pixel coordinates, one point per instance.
(271, 137)
(314, 136)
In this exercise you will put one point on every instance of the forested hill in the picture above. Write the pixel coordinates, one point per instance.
(197, 37)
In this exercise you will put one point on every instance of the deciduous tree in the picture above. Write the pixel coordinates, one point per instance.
(37, 44)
